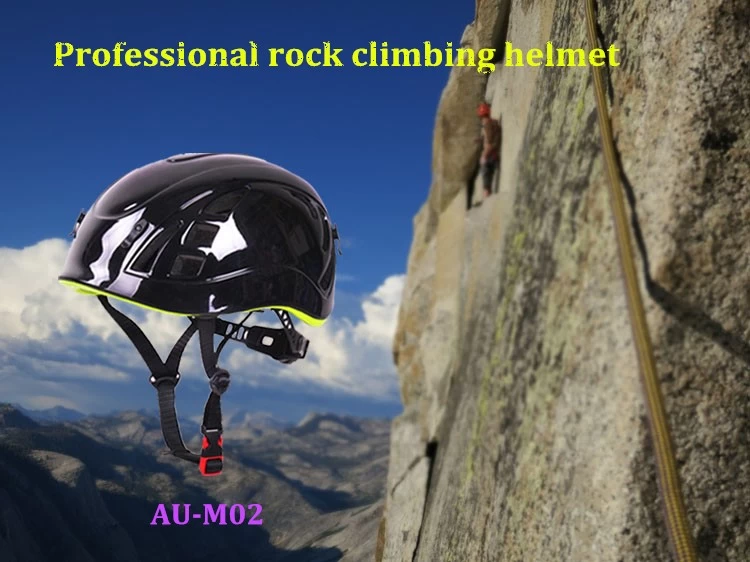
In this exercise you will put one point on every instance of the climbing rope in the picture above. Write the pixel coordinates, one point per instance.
(678, 527)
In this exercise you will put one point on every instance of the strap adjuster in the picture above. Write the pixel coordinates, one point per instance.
(219, 381)
(161, 379)
(212, 452)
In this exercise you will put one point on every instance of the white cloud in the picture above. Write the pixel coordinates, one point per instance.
(355, 358)
(41, 402)
(53, 368)
(35, 306)
(381, 313)
(53, 333)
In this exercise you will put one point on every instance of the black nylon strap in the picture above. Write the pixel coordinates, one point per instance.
(206, 328)
(165, 376)
(175, 356)
(170, 427)
(139, 339)
(218, 377)
(212, 413)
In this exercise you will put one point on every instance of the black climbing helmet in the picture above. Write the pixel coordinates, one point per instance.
(201, 235)
(208, 234)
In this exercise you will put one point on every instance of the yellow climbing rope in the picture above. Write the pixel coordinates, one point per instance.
(678, 526)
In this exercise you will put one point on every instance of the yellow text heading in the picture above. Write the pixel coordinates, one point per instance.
(378, 55)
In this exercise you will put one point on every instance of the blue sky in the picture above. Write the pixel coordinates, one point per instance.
(361, 136)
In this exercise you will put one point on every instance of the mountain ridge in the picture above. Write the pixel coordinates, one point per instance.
(112, 471)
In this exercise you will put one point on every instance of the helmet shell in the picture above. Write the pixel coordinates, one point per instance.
(207, 234)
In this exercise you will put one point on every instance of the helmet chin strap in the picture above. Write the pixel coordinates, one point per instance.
(285, 345)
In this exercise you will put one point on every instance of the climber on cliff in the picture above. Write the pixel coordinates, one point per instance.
(489, 156)
(488, 162)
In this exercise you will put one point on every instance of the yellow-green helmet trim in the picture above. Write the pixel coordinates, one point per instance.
(84, 289)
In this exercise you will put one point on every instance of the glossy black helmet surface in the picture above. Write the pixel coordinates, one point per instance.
(208, 234)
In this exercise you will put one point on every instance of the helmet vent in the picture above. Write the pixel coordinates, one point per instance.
(326, 233)
(187, 265)
(306, 200)
(298, 241)
(144, 263)
(325, 280)
(223, 205)
(188, 156)
(201, 235)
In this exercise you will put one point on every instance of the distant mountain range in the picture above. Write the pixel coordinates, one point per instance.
(56, 414)
(87, 489)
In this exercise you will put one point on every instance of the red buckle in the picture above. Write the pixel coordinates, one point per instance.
(211, 465)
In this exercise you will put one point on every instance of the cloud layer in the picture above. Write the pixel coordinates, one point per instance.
(50, 335)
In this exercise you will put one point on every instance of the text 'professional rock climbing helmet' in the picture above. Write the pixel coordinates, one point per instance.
(201, 235)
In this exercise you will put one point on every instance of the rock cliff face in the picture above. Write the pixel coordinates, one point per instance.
(524, 435)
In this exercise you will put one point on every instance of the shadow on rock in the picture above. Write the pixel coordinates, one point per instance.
(686, 313)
